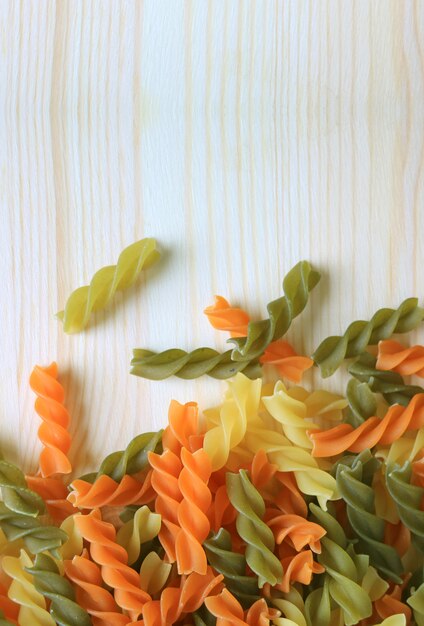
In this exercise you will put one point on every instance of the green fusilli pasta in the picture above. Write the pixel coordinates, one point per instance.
(362, 403)
(318, 605)
(357, 492)
(344, 572)
(37, 538)
(332, 351)
(15, 493)
(188, 365)
(132, 460)
(252, 529)
(408, 500)
(390, 384)
(59, 591)
(297, 284)
(233, 566)
(85, 300)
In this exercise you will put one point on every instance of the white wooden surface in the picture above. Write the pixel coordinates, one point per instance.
(244, 135)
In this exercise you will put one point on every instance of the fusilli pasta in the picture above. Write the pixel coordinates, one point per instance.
(86, 300)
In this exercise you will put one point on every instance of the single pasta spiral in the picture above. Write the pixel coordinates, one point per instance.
(188, 365)
(360, 334)
(192, 518)
(393, 356)
(113, 561)
(107, 492)
(252, 529)
(297, 284)
(53, 430)
(59, 591)
(86, 300)
(392, 426)
(166, 470)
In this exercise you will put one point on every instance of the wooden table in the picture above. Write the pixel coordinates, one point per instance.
(244, 136)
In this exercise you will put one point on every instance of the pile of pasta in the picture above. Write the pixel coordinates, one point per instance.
(282, 505)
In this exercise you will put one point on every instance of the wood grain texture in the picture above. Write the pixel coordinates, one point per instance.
(243, 135)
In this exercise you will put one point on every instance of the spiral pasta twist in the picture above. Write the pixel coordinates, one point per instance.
(233, 567)
(113, 561)
(144, 526)
(223, 316)
(240, 406)
(53, 431)
(37, 538)
(107, 492)
(297, 284)
(390, 384)
(196, 500)
(332, 351)
(393, 356)
(177, 601)
(166, 469)
(188, 365)
(130, 461)
(22, 591)
(374, 430)
(408, 499)
(15, 493)
(369, 528)
(97, 601)
(59, 591)
(86, 300)
(252, 529)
